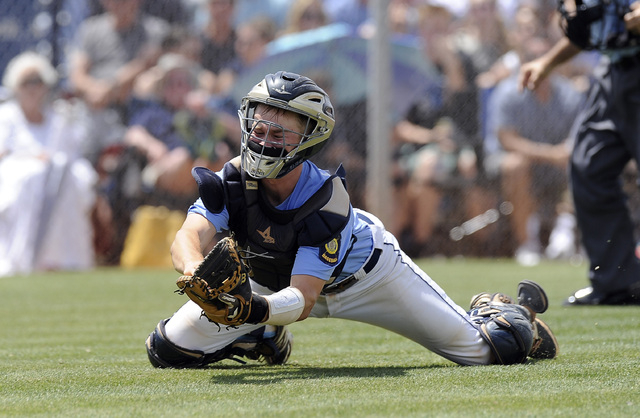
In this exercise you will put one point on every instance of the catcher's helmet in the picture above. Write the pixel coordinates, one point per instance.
(289, 92)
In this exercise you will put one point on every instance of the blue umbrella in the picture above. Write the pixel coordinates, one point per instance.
(336, 58)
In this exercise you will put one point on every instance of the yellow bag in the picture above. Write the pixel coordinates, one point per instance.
(149, 238)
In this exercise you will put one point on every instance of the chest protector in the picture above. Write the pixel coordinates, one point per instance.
(269, 236)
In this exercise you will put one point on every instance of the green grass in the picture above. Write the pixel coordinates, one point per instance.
(72, 345)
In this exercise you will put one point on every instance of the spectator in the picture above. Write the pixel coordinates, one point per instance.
(403, 16)
(176, 131)
(174, 12)
(252, 39)
(168, 134)
(435, 140)
(274, 10)
(482, 34)
(46, 188)
(305, 15)
(352, 12)
(218, 36)
(111, 50)
(526, 24)
(532, 129)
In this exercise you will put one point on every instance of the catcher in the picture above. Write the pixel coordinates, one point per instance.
(298, 249)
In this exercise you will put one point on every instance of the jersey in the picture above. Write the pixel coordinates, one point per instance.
(599, 24)
(331, 260)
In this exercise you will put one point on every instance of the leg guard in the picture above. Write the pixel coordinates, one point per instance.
(165, 354)
(532, 297)
(507, 329)
(269, 343)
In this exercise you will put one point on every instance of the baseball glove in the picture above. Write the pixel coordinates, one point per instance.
(220, 285)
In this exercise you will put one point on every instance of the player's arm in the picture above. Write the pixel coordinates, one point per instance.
(190, 243)
(532, 73)
(632, 19)
(310, 287)
(291, 304)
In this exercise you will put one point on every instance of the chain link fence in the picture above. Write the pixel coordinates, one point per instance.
(49, 26)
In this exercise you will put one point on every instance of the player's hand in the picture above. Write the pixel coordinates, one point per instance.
(632, 19)
(531, 74)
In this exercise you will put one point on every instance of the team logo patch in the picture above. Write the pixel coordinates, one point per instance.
(251, 185)
(329, 253)
(266, 234)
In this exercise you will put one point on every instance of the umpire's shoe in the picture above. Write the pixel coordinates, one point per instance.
(589, 297)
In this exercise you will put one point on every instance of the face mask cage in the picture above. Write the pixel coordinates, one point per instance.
(265, 143)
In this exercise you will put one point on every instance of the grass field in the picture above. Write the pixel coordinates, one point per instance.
(72, 345)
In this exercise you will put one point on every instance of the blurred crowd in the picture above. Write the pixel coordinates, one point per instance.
(145, 91)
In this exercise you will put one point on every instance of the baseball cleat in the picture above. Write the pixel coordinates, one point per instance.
(532, 296)
(486, 298)
(279, 346)
(269, 343)
(545, 345)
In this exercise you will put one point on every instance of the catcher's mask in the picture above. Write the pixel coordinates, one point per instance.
(265, 157)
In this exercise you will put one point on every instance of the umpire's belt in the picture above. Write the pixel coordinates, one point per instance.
(349, 281)
(628, 61)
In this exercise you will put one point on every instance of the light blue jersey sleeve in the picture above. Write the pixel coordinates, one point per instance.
(355, 243)
(219, 220)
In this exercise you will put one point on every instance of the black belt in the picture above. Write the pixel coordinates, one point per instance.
(349, 281)
(628, 61)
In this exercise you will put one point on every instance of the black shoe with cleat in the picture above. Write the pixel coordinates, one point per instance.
(269, 343)
(545, 345)
(589, 297)
(276, 349)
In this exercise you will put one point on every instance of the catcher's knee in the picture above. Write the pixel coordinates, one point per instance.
(165, 354)
(507, 329)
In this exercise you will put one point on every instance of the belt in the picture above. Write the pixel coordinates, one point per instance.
(349, 281)
(628, 61)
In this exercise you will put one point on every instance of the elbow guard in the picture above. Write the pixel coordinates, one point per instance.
(285, 306)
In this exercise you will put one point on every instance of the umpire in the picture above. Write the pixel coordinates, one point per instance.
(607, 137)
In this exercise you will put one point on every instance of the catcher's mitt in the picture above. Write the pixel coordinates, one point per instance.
(220, 285)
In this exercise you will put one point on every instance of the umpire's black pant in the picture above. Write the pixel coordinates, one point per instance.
(607, 135)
